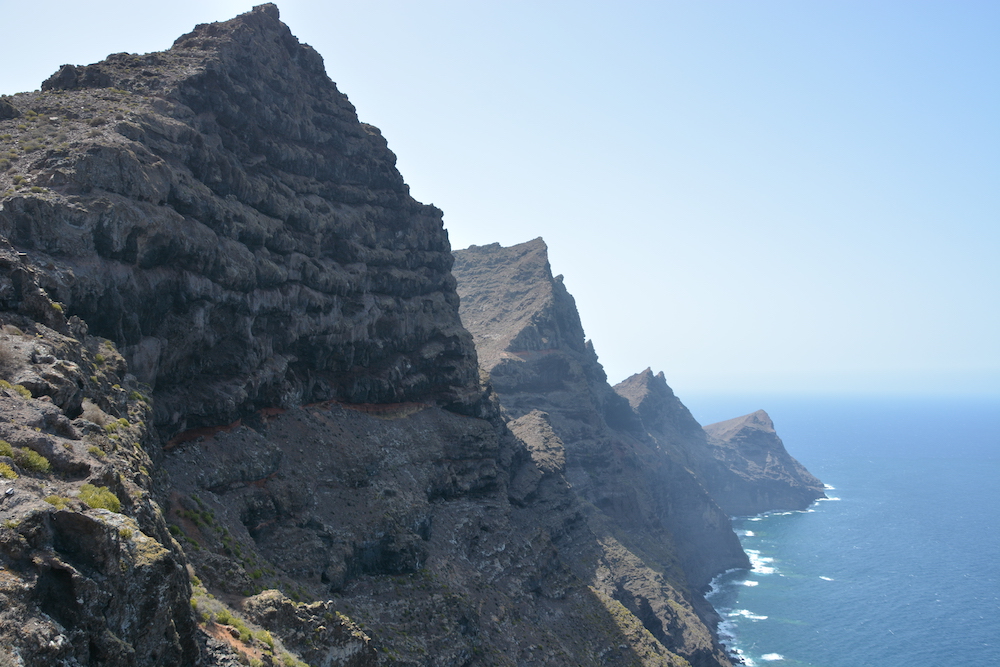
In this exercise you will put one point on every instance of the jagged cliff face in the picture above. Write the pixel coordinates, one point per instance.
(531, 343)
(757, 474)
(79, 584)
(218, 211)
(741, 462)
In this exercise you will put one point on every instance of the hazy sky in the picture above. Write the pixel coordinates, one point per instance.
(747, 195)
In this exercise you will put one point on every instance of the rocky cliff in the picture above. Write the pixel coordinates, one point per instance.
(244, 423)
(757, 473)
(741, 462)
(218, 211)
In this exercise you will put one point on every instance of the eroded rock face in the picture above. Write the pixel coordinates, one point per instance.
(644, 499)
(79, 583)
(220, 213)
(763, 475)
(742, 462)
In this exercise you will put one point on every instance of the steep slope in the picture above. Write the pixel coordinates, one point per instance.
(548, 380)
(742, 462)
(243, 422)
(219, 211)
(763, 475)
(89, 574)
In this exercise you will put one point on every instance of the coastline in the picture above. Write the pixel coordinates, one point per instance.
(724, 588)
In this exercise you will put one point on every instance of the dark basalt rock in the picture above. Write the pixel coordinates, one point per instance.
(213, 226)
(238, 232)
(763, 475)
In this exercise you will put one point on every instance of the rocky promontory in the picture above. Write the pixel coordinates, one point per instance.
(741, 462)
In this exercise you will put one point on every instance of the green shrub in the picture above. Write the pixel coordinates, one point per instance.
(7, 472)
(31, 460)
(19, 388)
(264, 637)
(58, 502)
(99, 497)
(96, 451)
(6, 449)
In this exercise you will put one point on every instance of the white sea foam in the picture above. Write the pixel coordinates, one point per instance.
(756, 518)
(760, 564)
(749, 582)
(747, 614)
(771, 657)
(827, 498)
(829, 487)
(747, 533)
(826, 578)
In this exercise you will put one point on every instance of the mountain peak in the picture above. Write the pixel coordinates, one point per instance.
(755, 421)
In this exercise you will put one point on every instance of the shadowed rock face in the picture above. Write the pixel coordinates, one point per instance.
(220, 213)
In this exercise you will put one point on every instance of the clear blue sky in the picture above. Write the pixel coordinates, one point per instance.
(748, 195)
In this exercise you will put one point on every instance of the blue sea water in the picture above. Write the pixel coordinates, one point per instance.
(901, 566)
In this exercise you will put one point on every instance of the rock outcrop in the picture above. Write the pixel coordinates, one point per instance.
(89, 574)
(757, 473)
(244, 423)
(741, 462)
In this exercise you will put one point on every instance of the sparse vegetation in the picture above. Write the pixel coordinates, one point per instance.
(99, 497)
(19, 388)
(59, 502)
(7, 472)
(25, 458)
(91, 412)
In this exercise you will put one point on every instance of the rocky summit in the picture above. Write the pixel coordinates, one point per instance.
(246, 421)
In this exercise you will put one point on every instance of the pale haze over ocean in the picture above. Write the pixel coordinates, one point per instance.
(770, 197)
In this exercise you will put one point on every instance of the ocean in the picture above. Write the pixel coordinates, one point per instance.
(901, 566)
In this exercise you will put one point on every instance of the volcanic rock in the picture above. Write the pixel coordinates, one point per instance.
(220, 213)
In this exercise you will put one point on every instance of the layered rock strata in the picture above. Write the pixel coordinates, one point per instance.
(220, 213)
